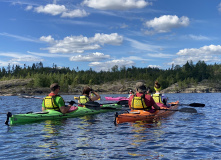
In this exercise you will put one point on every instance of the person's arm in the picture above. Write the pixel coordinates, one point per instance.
(96, 97)
(64, 109)
(61, 104)
(43, 106)
(156, 106)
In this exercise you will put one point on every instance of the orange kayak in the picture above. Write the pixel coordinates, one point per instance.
(141, 115)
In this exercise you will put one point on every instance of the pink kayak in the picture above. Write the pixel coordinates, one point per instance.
(116, 98)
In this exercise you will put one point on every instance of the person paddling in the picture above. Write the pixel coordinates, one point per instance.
(158, 97)
(84, 98)
(54, 101)
(142, 101)
(130, 93)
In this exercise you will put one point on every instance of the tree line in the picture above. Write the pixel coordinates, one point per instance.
(42, 76)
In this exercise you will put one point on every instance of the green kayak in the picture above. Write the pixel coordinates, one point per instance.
(51, 114)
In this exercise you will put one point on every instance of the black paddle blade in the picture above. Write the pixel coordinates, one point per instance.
(197, 105)
(123, 103)
(188, 110)
(92, 105)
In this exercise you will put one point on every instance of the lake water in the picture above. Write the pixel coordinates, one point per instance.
(179, 136)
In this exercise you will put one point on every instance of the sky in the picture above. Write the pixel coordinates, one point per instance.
(99, 34)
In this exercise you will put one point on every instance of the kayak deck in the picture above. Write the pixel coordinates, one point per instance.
(141, 115)
(51, 114)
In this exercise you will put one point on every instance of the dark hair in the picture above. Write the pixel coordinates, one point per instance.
(157, 85)
(54, 86)
(86, 90)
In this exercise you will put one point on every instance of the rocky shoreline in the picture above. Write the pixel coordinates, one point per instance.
(21, 86)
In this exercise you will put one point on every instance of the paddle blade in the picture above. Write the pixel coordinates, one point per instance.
(123, 103)
(188, 110)
(197, 105)
(92, 105)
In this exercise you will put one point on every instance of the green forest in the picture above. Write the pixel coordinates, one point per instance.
(43, 76)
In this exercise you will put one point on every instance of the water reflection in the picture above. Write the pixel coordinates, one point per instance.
(145, 134)
(50, 143)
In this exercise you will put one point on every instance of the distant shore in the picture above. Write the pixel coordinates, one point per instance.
(20, 86)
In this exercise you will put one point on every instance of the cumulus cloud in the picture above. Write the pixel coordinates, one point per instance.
(78, 44)
(48, 39)
(54, 9)
(206, 53)
(165, 23)
(116, 4)
(90, 57)
(105, 66)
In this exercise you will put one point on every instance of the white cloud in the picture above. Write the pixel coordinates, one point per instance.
(27, 58)
(105, 66)
(5, 63)
(49, 55)
(136, 58)
(205, 50)
(90, 57)
(18, 57)
(143, 46)
(75, 13)
(197, 38)
(219, 7)
(19, 37)
(116, 4)
(48, 39)
(28, 8)
(54, 9)
(78, 44)
(154, 66)
(165, 23)
(206, 53)
(160, 55)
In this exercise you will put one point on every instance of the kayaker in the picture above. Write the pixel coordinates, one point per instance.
(142, 101)
(54, 101)
(158, 97)
(130, 93)
(84, 98)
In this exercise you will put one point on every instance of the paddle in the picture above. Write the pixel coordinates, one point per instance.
(9, 114)
(191, 104)
(187, 110)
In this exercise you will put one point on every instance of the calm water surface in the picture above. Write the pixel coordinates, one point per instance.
(180, 136)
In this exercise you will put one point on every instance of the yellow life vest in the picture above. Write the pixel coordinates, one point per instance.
(138, 103)
(84, 99)
(50, 104)
(157, 98)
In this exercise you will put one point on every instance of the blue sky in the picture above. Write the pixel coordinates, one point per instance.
(99, 34)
